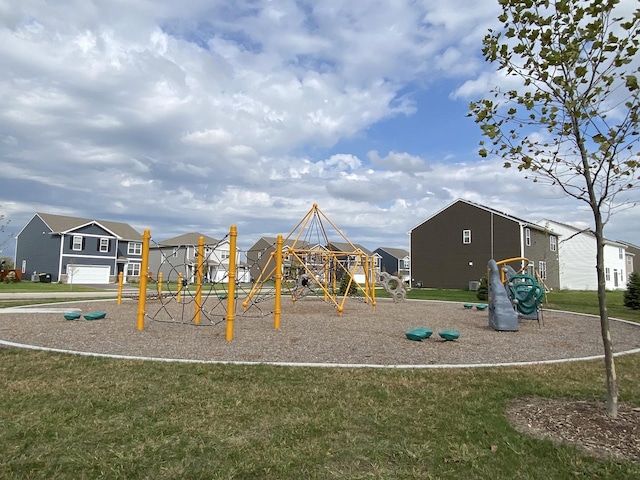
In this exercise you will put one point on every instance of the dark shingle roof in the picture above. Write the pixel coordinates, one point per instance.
(192, 238)
(62, 223)
(395, 252)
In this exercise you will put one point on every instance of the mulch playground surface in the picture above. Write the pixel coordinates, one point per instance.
(311, 332)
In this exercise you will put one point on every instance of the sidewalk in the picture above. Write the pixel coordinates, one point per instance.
(69, 294)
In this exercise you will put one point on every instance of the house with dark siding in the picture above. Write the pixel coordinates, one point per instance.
(395, 261)
(451, 248)
(77, 250)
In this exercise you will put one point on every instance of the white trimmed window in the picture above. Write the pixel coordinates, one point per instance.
(77, 243)
(466, 236)
(542, 270)
(607, 274)
(133, 269)
(553, 243)
(224, 254)
(134, 248)
(527, 237)
(104, 245)
(620, 253)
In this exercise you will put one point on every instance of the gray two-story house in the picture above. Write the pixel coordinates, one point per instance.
(451, 248)
(77, 250)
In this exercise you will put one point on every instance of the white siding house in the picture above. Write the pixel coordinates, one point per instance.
(577, 255)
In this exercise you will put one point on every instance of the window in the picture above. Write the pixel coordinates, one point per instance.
(542, 270)
(133, 270)
(24, 266)
(466, 236)
(175, 251)
(607, 274)
(527, 236)
(405, 263)
(620, 253)
(103, 245)
(77, 243)
(134, 248)
(553, 243)
(224, 254)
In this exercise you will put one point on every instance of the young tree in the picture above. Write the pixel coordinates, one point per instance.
(573, 123)
(632, 295)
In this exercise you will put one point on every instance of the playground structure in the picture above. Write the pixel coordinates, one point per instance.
(393, 286)
(315, 265)
(513, 294)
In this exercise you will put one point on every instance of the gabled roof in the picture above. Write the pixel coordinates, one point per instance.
(347, 247)
(60, 224)
(482, 207)
(398, 253)
(192, 238)
(629, 244)
(287, 242)
(577, 231)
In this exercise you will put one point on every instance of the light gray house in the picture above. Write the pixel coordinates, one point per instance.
(577, 252)
(77, 250)
(179, 255)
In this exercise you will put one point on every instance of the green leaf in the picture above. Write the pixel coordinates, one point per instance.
(631, 82)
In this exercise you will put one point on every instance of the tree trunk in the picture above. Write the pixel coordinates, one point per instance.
(610, 367)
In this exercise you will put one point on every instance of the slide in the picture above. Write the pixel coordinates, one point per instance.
(502, 316)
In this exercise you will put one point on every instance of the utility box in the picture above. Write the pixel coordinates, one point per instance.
(473, 286)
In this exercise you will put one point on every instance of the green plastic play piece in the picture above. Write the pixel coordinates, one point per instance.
(468, 305)
(449, 334)
(95, 315)
(72, 315)
(481, 306)
(419, 334)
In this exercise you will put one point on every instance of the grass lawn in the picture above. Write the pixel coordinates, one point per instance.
(38, 287)
(73, 417)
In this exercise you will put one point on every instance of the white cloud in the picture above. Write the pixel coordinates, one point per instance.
(200, 114)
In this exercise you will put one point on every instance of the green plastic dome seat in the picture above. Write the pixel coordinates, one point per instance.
(481, 306)
(468, 306)
(95, 315)
(72, 315)
(449, 334)
(419, 334)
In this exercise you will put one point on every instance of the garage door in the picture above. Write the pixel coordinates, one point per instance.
(88, 274)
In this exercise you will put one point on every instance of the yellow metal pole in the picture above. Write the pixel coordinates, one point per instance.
(179, 296)
(367, 288)
(199, 262)
(142, 300)
(159, 285)
(231, 290)
(120, 278)
(278, 304)
(374, 278)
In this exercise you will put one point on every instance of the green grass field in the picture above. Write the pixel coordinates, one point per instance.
(74, 417)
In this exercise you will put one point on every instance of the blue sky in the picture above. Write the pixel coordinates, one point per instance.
(195, 115)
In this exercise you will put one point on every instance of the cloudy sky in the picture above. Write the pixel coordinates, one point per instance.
(195, 115)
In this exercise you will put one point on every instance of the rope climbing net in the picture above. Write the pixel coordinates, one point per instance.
(190, 290)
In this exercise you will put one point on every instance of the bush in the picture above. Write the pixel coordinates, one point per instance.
(344, 281)
(632, 294)
(483, 289)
